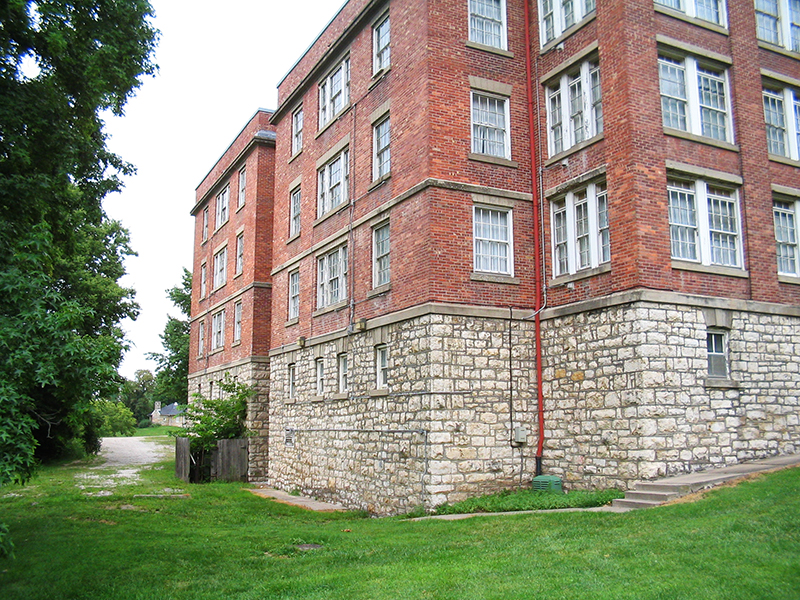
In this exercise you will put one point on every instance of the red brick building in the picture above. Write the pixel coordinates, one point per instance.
(511, 238)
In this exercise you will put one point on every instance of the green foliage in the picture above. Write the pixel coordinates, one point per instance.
(530, 500)
(144, 424)
(222, 418)
(116, 419)
(137, 394)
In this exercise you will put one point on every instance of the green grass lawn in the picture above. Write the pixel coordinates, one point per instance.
(223, 542)
(157, 430)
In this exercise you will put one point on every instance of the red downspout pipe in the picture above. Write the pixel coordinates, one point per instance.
(537, 238)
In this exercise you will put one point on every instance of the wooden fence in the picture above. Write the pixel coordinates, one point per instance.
(227, 463)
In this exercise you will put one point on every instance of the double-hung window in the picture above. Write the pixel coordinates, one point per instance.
(381, 159)
(334, 93)
(580, 231)
(782, 116)
(223, 199)
(493, 237)
(556, 16)
(205, 223)
(221, 267)
(490, 125)
(381, 366)
(487, 23)
(333, 183)
(694, 97)
(218, 330)
(242, 186)
(778, 23)
(704, 223)
(786, 213)
(201, 338)
(574, 107)
(203, 280)
(381, 58)
(319, 375)
(294, 295)
(712, 11)
(341, 373)
(237, 322)
(332, 277)
(294, 212)
(240, 254)
(716, 345)
(380, 256)
(297, 131)
(292, 377)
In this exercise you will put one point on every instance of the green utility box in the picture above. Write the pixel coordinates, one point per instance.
(547, 483)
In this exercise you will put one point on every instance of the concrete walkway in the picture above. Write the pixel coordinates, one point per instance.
(302, 502)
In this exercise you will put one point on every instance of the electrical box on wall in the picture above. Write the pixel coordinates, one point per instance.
(520, 435)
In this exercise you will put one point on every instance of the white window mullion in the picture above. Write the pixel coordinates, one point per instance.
(693, 114)
(591, 205)
(701, 206)
(792, 104)
(571, 258)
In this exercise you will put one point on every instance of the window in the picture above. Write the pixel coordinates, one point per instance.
(332, 277)
(319, 375)
(574, 108)
(242, 186)
(490, 125)
(380, 45)
(381, 366)
(381, 160)
(492, 235)
(220, 267)
(201, 338)
(222, 207)
(778, 22)
(341, 373)
(294, 212)
(704, 223)
(380, 256)
(786, 213)
(218, 330)
(294, 295)
(297, 131)
(332, 183)
(556, 16)
(707, 10)
(694, 97)
(205, 223)
(292, 376)
(580, 230)
(203, 280)
(237, 322)
(240, 254)
(716, 344)
(334, 93)
(487, 23)
(782, 116)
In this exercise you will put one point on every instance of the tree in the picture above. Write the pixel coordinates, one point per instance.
(62, 63)
(137, 395)
(116, 419)
(172, 373)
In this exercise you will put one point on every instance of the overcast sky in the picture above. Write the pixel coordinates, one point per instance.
(218, 63)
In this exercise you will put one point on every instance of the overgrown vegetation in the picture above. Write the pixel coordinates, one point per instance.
(116, 419)
(209, 420)
(530, 500)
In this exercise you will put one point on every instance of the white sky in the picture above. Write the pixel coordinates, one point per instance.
(218, 63)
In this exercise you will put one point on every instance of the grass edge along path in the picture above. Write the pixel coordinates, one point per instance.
(736, 543)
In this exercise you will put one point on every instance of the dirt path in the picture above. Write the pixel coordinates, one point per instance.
(120, 451)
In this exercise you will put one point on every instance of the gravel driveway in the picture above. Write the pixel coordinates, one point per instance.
(119, 451)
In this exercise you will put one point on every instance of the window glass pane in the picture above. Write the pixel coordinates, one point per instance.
(767, 21)
(486, 22)
(776, 124)
(492, 241)
(711, 88)
(488, 125)
(561, 259)
(786, 237)
(683, 221)
(723, 228)
(708, 10)
(673, 93)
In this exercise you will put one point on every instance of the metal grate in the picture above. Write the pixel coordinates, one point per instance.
(546, 483)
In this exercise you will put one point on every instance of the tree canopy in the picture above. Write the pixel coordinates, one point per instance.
(63, 63)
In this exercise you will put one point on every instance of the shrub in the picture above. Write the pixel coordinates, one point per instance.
(223, 418)
(144, 424)
(116, 419)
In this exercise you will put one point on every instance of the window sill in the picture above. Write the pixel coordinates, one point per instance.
(664, 10)
(568, 32)
(292, 322)
(334, 211)
(578, 275)
(682, 265)
(379, 392)
(700, 139)
(380, 290)
(218, 288)
(379, 182)
(294, 156)
(340, 396)
(778, 49)
(240, 207)
(785, 160)
(221, 225)
(495, 160)
(721, 383)
(379, 76)
(333, 120)
(490, 49)
(494, 278)
(573, 149)
(293, 238)
(236, 343)
(791, 279)
(332, 308)
(316, 398)
(237, 275)
(216, 351)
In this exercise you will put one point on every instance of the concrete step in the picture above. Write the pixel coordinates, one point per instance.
(651, 496)
(667, 488)
(631, 504)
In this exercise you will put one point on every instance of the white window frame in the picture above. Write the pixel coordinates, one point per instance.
(778, 24)
(579, 229)
(295, 200)
(490, 120)
(334, 93)
(332, 277)
(557, 16)
(242, 186)
(203, 280)
(381, 255)
(485, 28)
(574, 107)
(782, 118)
(381, 149)
(694, 228)
(493, 241)
(221, 267)
(201, 338)
(239, 254)
(293, 309)
(786, 217)
(717, 353)
(218, 330)
(237, 322)
(333, 183)
(205, 224)
(297, 131)
(343, 384)
(319, 376)
(381, 366)
(292, 380)
(689, 101)
(697, 9)
(223, 207)
(381, 46)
